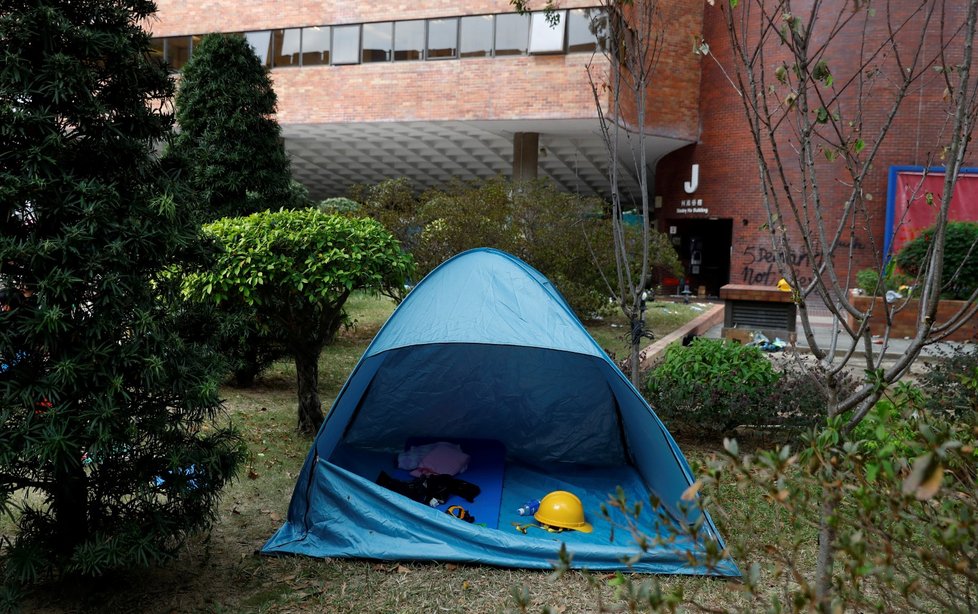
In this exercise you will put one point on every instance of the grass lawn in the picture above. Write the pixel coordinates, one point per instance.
(661, 317)
(222, 573)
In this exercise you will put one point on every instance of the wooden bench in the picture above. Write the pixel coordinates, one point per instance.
(750, 309)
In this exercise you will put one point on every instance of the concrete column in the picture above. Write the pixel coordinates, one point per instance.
(526, 148)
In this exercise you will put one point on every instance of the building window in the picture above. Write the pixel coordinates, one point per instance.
(512, 32)
(408, 40)
(442, 38)
(475, 37)
(157, 49)
(315, 45)
(377, 41)
(545, 36)
(346, 45)
(178, 51)
(580, 31)
(261, 42)
(286, 45)
(471, 36)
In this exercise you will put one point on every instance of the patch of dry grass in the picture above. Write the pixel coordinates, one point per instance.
(661, 317)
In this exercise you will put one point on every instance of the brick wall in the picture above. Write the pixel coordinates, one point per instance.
(525, 87)
(672, 107)
(729, 182)
(475, 89)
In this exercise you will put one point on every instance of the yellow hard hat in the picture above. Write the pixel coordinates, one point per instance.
(564, 510)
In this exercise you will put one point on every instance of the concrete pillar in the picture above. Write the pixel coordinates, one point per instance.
(526, 148)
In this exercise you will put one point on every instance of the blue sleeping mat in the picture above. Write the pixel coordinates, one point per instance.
(486, 469)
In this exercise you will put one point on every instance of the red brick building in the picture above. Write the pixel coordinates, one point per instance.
(431, 90)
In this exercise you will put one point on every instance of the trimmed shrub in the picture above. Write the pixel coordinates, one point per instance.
(229, 141)
(959, 277)
(294, 270)
(868, 280)
(712, 386)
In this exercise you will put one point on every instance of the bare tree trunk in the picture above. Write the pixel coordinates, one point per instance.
(70, 505)
(638, 327)
(825, 560)
(307, 380)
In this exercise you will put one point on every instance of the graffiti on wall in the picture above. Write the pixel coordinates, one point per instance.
(761, 264)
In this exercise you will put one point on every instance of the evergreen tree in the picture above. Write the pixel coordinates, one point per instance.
(105, 411)
(229, 141)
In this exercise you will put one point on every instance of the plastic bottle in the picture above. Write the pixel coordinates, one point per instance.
(529, 508)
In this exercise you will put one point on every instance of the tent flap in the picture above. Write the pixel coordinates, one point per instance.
(351, 517)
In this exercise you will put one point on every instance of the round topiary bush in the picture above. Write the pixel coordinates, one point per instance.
(960, 274)
(711, 386)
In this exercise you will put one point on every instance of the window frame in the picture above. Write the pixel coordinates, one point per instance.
(427, 40)
(332, 44)
(492, 36)
(363, 46)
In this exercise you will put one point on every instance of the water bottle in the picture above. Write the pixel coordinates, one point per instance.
(529, 508)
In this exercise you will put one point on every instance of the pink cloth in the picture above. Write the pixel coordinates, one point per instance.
(441, 458)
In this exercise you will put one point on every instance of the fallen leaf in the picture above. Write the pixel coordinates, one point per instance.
(275, 517)
(451, 566)
(252, 474)
(466, 586)
(235, 511)
(402, 569)
(690, 493)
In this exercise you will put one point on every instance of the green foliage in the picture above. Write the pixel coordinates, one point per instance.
(94, 366)
(394, 204)
(229, 141)
(868, 280)
(341, 205)
(883, 433)
(905, 517)
(293, 271)
(904, 495)
(713, 386)
(298, 261)
(564, 236)
(959, 277)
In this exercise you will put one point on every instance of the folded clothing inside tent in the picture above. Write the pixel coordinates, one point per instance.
(486, 468)
(506, 485)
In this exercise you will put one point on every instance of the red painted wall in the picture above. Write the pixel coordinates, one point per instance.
(729, 184)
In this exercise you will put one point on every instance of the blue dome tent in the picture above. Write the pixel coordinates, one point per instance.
(486, 353)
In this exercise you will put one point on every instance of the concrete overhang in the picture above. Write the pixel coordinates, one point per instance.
(328, 158)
